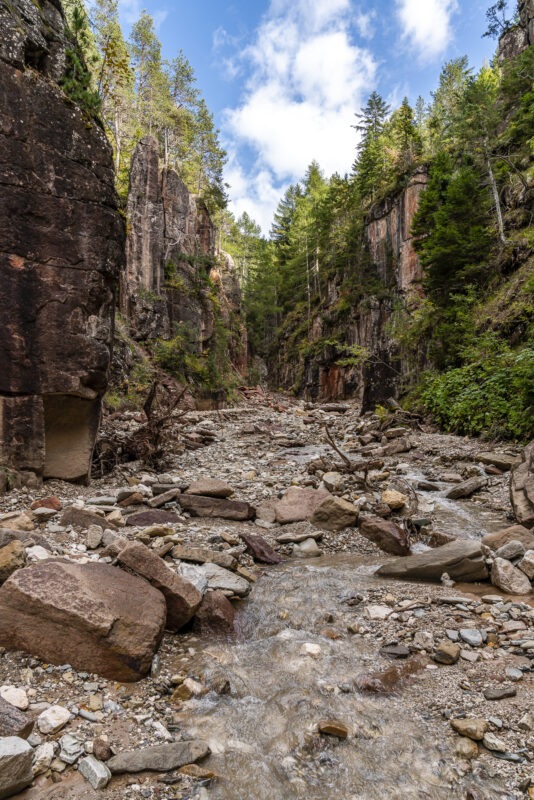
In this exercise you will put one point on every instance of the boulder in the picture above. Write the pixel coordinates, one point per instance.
(13, 722)
(511, 550)
(260, 550)
(146, 519)
(12, 557)
(307, 549)
(298, 504)
(467, 488)
(82, 519)
(395, 500)
(215, 615)
(447, 652)
(221, 579)
(95, 772)
(508, 578)
(472, 727)
(52, 502)
(335, 514)
(462, 560)
(181, 597)
(161, 758)
(217, 507)
(210, 487)
(522, 488)
(28, 538)
(93, 616)
(526, 564)
(516, 533)
(386, 535)
(16, 758)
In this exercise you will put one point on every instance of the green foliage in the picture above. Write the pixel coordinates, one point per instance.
(77, 81)
(493, 393)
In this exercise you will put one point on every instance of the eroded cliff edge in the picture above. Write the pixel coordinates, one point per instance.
(61, 252)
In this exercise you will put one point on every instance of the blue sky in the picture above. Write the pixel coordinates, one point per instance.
(284, 77)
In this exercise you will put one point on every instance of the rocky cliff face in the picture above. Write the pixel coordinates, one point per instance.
(389, 246)
(175, 278)
(61, 250)
(521, 36)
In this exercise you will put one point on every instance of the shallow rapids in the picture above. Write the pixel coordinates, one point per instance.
(263, 735)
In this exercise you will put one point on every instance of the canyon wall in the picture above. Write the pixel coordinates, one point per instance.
(176, 279)
(61, 251)
(394, 262)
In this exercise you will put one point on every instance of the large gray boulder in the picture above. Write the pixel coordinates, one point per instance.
(16, 757)
(462, 560)
(161, 758)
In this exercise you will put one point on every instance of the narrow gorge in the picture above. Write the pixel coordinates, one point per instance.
(266, 501)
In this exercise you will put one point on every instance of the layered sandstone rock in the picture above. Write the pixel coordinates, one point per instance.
(61, 249)
(83, 614)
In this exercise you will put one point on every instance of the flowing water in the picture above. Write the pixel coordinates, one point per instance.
(263, 735)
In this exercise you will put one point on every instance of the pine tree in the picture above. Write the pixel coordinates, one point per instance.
(81, 57)
(498, 23)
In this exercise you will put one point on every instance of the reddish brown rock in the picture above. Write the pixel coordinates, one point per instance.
(143, 519)
(217, 507)
(60, 261)
(462, 560)
(215, 616)
(393, 678)
(298, 504)
(93, 616)
(522, 488)
(260, 550)
(181, 596)
(386, 535)
(82, 519)
(102, 750)
(515, 533)
(48, 502)
(210, 487)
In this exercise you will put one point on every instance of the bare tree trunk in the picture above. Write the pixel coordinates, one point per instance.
(308, 284)
(496, 198)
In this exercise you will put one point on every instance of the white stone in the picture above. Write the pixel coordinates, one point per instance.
(38, 553)
(194, 687)
(307, 549)
(508, 578)
(53, 719)
(492, 742)
(17, 697)
(311, 649)
(16, 758)
(43, 514)
(377, 612)
(526, 564)
(42, 758)
(95, 772)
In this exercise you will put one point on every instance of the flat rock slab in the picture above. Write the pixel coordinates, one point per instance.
(217, 507)
(502, 461)
(296, 537)
(16, 757)
(161, 758)
(466, 488)
(298, 505)
(80, 518)
(462, 560)
(95, 617)
(202, 555)
(144, 519)
(210, 487)
(13, 722)
(386, 535)
(181, 597)
(515, 533)
(260, 551)
(8, 535)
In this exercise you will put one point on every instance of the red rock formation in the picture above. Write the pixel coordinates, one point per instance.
(61, 249)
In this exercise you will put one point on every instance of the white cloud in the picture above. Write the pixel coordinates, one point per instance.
(307, 79)
(130, 11)
(365, 23)
(426, 25)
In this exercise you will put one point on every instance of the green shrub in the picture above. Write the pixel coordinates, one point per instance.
(493, 394)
